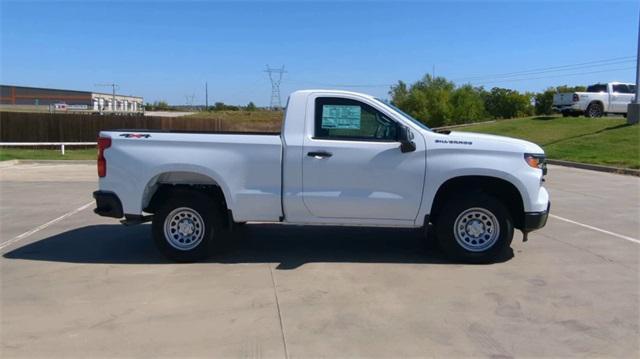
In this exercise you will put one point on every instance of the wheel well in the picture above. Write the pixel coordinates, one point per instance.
(164, 191)
(503, 190)
(596, 102)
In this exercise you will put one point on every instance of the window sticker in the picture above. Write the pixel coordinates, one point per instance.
(341, 117)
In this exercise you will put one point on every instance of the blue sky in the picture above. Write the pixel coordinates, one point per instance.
(168, 49)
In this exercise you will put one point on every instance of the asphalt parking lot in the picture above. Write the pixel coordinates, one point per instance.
(76, 285)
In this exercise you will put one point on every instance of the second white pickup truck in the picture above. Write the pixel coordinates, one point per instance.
(342, 158)
(597, 101)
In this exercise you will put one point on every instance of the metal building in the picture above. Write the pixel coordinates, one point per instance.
(35, 98)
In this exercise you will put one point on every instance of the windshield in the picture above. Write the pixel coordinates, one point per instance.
(404, 114)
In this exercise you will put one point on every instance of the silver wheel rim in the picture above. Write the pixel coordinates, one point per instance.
(184, 228)
(594, 111)
(476, 229)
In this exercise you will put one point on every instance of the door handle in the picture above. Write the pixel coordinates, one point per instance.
(319, 154)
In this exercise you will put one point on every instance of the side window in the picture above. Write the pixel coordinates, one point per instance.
(621, 88)
(340, 118)
(597, 88)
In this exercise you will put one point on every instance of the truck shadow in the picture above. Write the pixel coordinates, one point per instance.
(290, 246)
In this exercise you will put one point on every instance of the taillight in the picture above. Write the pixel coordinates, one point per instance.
(576, 98)
(103, 144)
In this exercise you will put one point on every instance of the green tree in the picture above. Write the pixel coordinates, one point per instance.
(399, 93)
(427, 99)
(507, 103)
(467, 105)
(251, 106)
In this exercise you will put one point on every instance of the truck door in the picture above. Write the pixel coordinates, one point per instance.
(353, 167)
(621, 96)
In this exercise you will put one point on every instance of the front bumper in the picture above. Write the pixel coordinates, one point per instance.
(535, 220)
(108, 204)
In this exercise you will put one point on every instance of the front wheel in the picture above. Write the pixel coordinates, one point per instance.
(477, 229)
(186, 227)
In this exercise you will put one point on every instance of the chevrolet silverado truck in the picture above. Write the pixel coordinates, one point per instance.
(597, 101)
(341, 158)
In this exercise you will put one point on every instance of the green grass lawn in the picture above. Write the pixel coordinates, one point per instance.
(606, 141)
(42, 154)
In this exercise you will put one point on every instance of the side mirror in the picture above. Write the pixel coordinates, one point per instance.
(406, 140)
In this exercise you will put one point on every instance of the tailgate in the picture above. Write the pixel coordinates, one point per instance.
(563, 99)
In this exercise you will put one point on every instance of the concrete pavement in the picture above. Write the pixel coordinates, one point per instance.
(87, 286)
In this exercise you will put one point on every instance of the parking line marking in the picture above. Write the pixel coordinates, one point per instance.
(275, 294)
(43, 226)
(630, 239)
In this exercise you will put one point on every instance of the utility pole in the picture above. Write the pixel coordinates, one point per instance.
(114, 87)
(633, 109)
(206, 95)
(275, 76)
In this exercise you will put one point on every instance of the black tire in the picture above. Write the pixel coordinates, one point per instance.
(594, 110)
(496, 244)
(202, 216)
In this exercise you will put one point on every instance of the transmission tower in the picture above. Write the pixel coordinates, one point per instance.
(190, 100)
(275, 75)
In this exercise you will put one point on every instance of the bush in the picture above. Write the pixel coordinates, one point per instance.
(157, 106)
(507, 103)
(544, 100)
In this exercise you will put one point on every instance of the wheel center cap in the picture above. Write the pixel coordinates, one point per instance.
(185, 227)
(475, 228)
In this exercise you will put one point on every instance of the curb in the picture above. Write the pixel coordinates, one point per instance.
(10, 163)
(599, 168)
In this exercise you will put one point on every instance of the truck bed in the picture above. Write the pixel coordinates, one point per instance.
(250, 163)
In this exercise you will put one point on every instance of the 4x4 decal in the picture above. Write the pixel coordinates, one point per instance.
(135, 135)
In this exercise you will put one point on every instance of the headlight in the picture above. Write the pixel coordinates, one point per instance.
(536, 161)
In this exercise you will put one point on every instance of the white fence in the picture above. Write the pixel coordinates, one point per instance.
(40, 144)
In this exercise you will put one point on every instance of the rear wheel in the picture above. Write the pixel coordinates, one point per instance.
(477, 229)
(187, 226)
(594, 110)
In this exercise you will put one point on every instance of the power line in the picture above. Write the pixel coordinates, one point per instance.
(588, 64)
(513, 76)
(553, 76)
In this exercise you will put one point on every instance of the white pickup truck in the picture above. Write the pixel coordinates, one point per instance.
(597, 101)
(342, 158)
